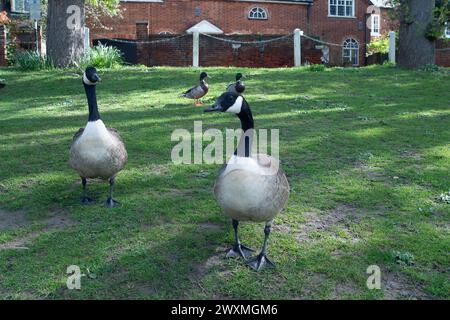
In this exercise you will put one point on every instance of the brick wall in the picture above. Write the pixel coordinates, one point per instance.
(213, 52)
(176, 16)
(443, 53)
(3, 61)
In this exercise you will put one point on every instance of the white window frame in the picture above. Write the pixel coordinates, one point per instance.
(257, 11)
(373, 27)
(14, 4)
(447, 30)
(351, 40)
(341, 3)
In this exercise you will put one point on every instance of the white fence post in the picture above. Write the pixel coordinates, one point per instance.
(195, 47)
(392, 46)
(297, 48)
(87, 39)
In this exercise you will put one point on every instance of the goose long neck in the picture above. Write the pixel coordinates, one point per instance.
(244, 148)
(94, 115)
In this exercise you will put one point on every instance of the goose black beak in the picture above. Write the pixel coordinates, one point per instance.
(96, 78)
(213, 108)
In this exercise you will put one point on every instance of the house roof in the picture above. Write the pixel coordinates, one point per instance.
(205, 26)
(382, 3)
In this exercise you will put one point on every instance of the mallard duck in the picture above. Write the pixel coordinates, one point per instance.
(249, 187)
(198, 91)
(96, 151)
(237, 87)
(2, 83)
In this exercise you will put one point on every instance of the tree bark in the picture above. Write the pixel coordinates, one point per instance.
(415, 49)
(65, 31)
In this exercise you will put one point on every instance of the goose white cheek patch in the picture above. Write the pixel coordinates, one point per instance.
(87, 81)
(236, 107)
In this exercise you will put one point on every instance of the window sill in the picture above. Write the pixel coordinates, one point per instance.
(375, 34)
(343, 17)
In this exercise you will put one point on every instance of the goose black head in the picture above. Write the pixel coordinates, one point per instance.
(90, 76)
(238, 76)
(203, 75)
(228, 102)
(234, 103)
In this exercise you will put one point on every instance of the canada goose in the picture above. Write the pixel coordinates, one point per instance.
(249, 187)
(237, 87)
(96, 151)
(198, 91)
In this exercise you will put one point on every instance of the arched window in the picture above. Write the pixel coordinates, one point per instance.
(165, 33)
(350, 51)
(257, 13)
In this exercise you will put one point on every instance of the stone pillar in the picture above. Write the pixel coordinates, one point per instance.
(195, 48)
(392, 46)
(297, 48)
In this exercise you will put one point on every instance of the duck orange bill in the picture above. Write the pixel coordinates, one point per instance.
(213, 108)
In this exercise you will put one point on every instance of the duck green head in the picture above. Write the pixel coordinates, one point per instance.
(203, 75)
(238, 76)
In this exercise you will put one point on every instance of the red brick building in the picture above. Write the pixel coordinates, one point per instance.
(341, 22)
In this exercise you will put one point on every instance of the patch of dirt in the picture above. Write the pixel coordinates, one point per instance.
(146, 289)
(208, 226)
(343, 290)
(56, 222)
(12, 220)
(215, 260)
(397, 286)
(340, 216)
(412, 154)
(372, 173)
(282, 228)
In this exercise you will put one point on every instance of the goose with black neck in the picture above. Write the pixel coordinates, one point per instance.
(250, 187)
(96, 151)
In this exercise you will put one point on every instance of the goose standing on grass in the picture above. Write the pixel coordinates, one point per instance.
(249, 187)
(198, 91)
(237, 87)
(96, 151)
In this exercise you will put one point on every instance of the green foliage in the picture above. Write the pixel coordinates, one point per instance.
(378, 45)
(31, 61)
(404, 258)
(429, 68)
(11, 49)
(102, 56)
(316, 67)
(435, 29)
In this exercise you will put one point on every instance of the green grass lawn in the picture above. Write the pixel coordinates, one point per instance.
(366, 152)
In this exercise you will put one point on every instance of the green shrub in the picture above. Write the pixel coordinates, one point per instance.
(316, 67)
(31, 61)
(102, 56)
(429, 68)
(378, 45)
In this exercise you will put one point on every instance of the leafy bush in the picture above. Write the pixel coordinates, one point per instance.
(379, 45)
(31, 61)
(102, 56)
(429, 68)
(316, 67)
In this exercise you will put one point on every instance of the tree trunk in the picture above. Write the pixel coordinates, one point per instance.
(65, 31)
(415, 49)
